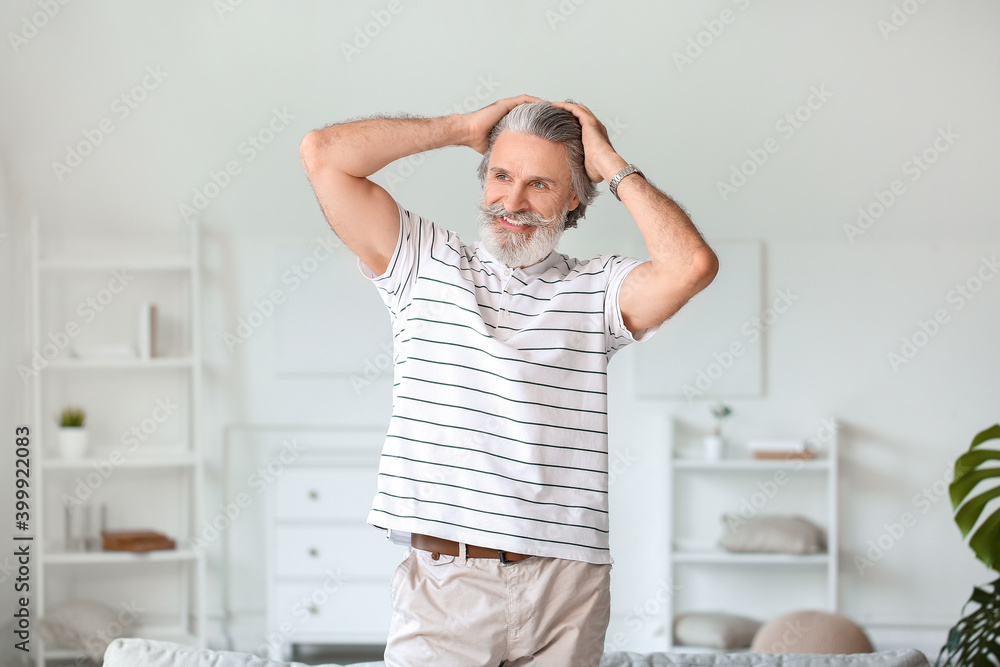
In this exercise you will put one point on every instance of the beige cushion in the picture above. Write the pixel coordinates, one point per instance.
(772, 534)
(811, 632)
(83, 625)
(714, 630)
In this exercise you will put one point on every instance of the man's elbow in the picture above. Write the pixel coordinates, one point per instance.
(704, 267)
(309, 150)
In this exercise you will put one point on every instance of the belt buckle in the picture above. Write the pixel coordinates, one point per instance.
(503, 558)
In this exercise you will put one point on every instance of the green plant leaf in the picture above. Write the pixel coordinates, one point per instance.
(973, 459)
(971, 468)
(975, 639)
(992, 433)
(967, 517)
(984, 541)
(964, 484)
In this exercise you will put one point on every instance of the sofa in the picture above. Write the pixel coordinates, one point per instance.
(135, 652)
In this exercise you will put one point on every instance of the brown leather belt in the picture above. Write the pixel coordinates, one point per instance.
(439, 547)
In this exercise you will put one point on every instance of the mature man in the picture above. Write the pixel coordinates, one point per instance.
(495, 464)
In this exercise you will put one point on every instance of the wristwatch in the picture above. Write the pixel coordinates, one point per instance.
(631, 169)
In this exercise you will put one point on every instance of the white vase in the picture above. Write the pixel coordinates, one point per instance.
(72, 442)
(713, 446)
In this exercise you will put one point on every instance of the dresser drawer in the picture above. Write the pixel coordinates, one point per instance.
(354, 612)
(325, 493)
(354, 551)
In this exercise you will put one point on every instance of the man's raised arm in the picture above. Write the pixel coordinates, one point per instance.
(680, 263)
(339, 159)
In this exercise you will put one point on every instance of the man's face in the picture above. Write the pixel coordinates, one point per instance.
(526, 198)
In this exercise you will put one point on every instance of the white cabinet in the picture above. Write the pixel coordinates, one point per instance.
(143, 462)
(705, 578)
(328, 571)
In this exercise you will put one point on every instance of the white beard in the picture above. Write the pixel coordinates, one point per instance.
(516, 249)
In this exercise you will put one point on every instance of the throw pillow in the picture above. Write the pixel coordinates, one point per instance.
(714, 630)
(772, 534)
(83, 625)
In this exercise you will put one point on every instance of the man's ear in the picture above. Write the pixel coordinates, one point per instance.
(574, 202)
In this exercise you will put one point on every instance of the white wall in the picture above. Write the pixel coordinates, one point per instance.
(885, 98)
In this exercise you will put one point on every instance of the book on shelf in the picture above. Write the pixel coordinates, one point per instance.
(135, 540)
(147, 331)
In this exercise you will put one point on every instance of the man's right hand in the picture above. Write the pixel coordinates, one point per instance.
(480, 123)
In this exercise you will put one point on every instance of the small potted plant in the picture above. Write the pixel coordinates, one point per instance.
(72, 435)
(714, 444)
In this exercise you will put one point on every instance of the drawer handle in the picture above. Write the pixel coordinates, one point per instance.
(314, 552)
(313, 609)
(313, 495)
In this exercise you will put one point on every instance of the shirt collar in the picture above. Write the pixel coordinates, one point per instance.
(535, 269)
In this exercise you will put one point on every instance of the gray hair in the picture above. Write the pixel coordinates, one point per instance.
(541, 119)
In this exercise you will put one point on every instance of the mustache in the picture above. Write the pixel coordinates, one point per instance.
(527, 218)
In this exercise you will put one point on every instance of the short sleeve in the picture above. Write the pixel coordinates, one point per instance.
(394, 284)
(617, 334)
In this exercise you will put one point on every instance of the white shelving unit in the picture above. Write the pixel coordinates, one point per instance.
(705, 578)
(145, 467)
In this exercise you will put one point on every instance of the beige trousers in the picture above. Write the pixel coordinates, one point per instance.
(484, 613)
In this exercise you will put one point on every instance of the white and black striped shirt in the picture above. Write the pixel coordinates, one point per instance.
(499, 429)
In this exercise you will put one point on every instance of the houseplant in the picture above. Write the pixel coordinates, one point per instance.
(975, 639)
(713, 443)
(72, 434)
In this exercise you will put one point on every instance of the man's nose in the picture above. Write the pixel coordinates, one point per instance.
(515, 200)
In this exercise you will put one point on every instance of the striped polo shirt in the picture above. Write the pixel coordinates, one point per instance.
(499, 427)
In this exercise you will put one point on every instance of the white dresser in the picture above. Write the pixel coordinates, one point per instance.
(328, 572)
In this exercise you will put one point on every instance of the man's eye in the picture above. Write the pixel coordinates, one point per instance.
(538, 184)
(501, 177)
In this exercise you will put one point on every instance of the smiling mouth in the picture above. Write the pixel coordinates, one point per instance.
(510, 224)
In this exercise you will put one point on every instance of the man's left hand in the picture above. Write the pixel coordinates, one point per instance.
(600, 158)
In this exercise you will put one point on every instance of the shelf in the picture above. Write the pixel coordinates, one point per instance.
(54, 557)
(102, 371)
(170, 634)
(155, 362)
(730, 558)
(819, 465)
(163, 264)
(185, 460)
